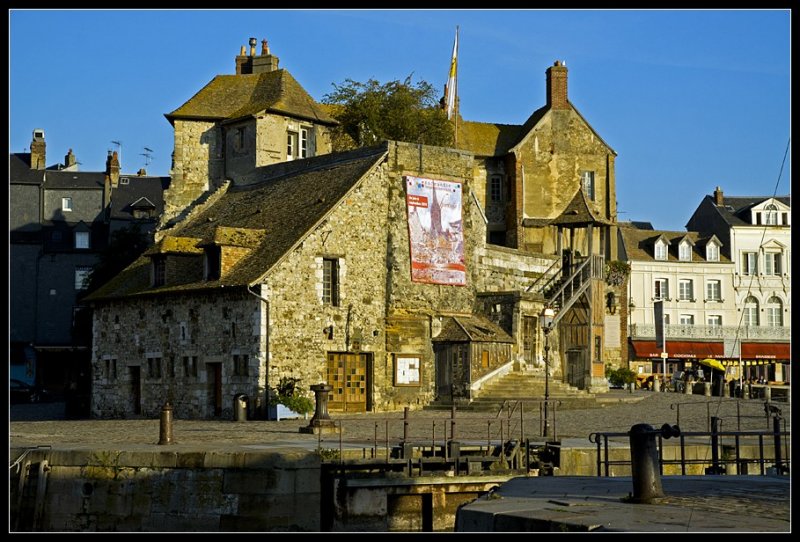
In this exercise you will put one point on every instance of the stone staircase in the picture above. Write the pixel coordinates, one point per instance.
(523, 386)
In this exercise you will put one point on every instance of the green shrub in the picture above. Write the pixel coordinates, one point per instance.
(620, 376)
(288, 394)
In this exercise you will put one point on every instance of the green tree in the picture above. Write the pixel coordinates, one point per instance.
(372, 112)
(125, 246)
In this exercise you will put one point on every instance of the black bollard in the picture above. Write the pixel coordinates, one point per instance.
(644, 464)
(715, 467)
(165, 429)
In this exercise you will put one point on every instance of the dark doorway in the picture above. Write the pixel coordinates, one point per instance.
(136, 388)
(215, 387)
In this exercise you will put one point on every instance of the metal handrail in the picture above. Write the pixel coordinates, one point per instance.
(22, 456)
(557, 264)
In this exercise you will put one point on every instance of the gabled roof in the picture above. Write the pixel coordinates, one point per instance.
(639, 244)
(537, 116)
(285, 204)
(20, 172)
(473, 328)
(736, 209)
(578, 213)
(229, 97)
(126, 197)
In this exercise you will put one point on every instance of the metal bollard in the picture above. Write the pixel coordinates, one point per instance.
(165, 429)
(767, 393)
(645, 473)
(715, 467)
(688, 387)
(707, 389)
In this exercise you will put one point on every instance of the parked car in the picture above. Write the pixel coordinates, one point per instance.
(22, 392)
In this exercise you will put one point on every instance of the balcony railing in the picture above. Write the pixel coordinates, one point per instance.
(681, 331)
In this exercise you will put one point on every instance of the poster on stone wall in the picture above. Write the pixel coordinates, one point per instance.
(435, 231)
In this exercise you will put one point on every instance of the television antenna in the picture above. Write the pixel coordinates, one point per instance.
(148, 156)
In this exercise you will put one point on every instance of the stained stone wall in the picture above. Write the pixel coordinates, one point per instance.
(197, 164)
(184, 333)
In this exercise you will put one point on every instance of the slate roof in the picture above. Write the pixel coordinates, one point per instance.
(236, 96)
(473, 328)
(124, 196)
(736, 209)
(74, 180)
(286, 203)
(19, 169)
(639, 244)
(578, 213)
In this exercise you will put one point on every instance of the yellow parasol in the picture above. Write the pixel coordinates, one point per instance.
(714, 364)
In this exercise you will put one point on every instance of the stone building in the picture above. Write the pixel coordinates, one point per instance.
(400, 274)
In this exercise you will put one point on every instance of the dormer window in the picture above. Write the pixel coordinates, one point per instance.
(213, 263)
(771, 215)
(159, 270)
(66, 204)
(298, 143)
(685, 252)
(82, 239)
(712, 252)
(661, 250)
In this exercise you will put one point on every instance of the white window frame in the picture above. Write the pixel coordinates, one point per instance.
(303, 143)
(660, 250)
(714, 290)
(774, 310)
(712, 252)
(771, 215)
(714, 320)
(82, 239)
(661, 289)
(749, 263)
(750, 310)
(772, 263)
(82, 273)
(66, 204)
(685, 252)
(686, 319)
(291, 144)
(685, 290)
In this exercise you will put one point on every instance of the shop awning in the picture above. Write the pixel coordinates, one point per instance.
(679, 349)
(765, 351)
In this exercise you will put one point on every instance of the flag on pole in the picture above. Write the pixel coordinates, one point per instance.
(450, 88)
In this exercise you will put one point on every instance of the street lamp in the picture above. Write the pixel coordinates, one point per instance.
(547, 326)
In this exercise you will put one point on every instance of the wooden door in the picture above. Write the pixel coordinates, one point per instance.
(349, 375)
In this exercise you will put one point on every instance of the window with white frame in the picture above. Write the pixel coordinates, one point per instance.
(496, 188)
(82, 273)
(749, 263)
(587, 182)
(666, 319)
(774, 312)
(772, 263)
(685, 252)
(661, 250)
(66, 204)
(661, 289)
(685, 290)
(687, 319)
(712, 252)
(713, 290)
(303, 142)
(750, 311)
(714, 320)
(81, 239)
(291, 145)
(771, 215)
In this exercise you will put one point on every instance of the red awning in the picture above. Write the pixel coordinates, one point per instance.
(679, 349)
(765, 351)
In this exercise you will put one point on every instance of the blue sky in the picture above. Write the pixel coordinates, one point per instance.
(688, 99)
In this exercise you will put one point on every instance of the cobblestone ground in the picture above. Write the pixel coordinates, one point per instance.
(44, 424)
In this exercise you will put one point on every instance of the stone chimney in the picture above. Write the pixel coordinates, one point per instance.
(69, 160)
(38, 150)
(142, 172)
(112, 169)
(718, 199)
(266, 62)
(557, 86)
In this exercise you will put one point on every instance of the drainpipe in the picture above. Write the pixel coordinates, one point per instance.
(265, 345)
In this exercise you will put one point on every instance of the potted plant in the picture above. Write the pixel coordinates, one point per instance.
(290, 400)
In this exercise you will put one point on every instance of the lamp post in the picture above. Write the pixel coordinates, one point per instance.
(547, 326)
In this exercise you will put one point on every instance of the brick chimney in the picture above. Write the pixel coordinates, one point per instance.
(112, 169)
(263, 63)
(38, 150)
(718, 199)
(557, 86)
